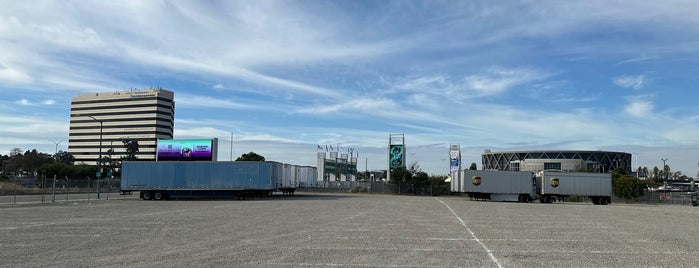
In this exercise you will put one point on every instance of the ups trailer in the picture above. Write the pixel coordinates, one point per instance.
(498, 185)
(187, 179)
(556, 185)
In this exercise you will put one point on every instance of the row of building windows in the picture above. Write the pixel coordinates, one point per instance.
(125, 113)
(113, 100)
(125, 106)
(122, 133)
(168, 127)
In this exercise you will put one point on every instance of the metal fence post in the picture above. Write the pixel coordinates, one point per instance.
(53, 189)
(43, 186)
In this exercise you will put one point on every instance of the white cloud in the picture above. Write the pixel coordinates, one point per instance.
(48, 102)
(200, 101)
(361, 105)
(24, 102)
(639, 106)
(498, 80)
(218, 86)
(11, 75)
(628, 81)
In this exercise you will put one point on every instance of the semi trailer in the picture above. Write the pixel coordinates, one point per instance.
(499, 185)
(189, 179)
(556, 185)
(545, 186)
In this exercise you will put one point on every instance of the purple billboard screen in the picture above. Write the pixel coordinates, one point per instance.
(185, 150)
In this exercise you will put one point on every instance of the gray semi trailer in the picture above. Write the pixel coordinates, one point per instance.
(524, 186)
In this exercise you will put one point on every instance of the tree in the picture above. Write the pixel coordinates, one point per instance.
(473, 167)
(33, 159)
(400, 175)
(628, 187)
(131, 147)
(251, 156)
(64, 157)
(625, 185)
(656, 174)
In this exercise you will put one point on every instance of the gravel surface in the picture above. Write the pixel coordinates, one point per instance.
(346, 230)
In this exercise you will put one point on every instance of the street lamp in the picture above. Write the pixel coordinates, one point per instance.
(55, 155)
(99, 160)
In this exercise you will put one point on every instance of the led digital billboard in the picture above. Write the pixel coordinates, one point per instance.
(397, 156)
(186, 150)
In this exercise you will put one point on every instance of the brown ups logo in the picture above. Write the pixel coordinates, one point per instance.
(555, 182)
(476, 180)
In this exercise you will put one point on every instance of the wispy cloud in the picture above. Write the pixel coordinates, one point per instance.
(499, 80)
(639, 106)
(627, 81)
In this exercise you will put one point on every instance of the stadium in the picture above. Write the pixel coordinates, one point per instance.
(564, 160)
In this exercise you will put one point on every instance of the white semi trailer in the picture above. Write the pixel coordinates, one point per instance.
(556, 185)
(499, 185)
(524, 186)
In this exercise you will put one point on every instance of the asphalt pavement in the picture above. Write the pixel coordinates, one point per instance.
(346, 230)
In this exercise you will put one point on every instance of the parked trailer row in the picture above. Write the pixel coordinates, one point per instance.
(240, 179)
(293, 176)
(523, 186)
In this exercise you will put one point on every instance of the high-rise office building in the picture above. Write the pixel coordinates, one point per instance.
(110, 118)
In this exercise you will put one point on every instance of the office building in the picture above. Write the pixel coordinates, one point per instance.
(141, 115)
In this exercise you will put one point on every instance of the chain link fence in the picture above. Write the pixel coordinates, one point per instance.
(49, 190)
(378, 187)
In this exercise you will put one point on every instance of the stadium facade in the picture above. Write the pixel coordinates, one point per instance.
(564, 160)
(141, 115)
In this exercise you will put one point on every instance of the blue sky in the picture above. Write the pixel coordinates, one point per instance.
(285, 76)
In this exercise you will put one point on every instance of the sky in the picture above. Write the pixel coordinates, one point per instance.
(282, 77)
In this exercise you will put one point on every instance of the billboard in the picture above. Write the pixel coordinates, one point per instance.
(454, 158)
(396, 155)
(186, 150)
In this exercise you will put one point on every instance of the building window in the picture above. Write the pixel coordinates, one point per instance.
(552, 166)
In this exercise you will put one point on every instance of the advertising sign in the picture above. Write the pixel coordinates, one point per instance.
(454, 165)
(454, 158)
(185, 150)
(397, 156)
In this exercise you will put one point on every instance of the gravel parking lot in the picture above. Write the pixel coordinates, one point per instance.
(346, 230)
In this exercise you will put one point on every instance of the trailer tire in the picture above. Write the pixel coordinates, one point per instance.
(146, 195)
(158, 195)
(595, 200)
(525, 198)
(549, 199)
(604, 201)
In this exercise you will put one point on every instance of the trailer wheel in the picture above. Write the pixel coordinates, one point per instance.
(158, 196)
(604, 201)
(549, 199)
(525, 198)
(146, 195)
(595, 200)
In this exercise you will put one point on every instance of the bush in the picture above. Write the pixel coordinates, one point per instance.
(574, 198)
(358, 189)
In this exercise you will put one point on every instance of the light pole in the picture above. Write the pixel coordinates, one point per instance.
(99, 160)
(55, 155)
(664, 178)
